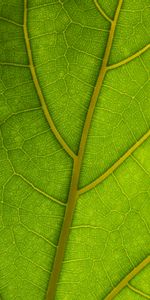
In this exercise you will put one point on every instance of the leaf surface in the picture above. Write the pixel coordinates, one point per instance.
(74, 150)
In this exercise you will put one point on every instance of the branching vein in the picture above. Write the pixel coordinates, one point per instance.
(73, 193)
(124, 282)
(137, 291)
(102, 11)
(38, 88)
(128, 59)
(11, 21)
(40, 191)
(115, 165)
(13, 64)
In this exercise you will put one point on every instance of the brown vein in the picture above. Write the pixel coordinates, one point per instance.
(115, 165)
(73, 193)
(137, 291)
(38, 88)
(124, 282)
(128, 59)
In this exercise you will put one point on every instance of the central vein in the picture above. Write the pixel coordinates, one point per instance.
(73, 193)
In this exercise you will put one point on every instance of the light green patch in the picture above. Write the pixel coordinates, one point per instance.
(48, 92)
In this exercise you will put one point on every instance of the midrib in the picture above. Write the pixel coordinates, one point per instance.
(73, 193)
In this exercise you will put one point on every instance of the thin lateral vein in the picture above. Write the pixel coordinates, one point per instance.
(40, 191)
(102, 11)
(13, 64)
(39, 91)
(124, 282)
(73, 193)
(40, 236)
(128, 59)
(137, 291)
(11, 22)
(115, 165)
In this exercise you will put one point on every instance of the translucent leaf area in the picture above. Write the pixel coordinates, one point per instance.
(74, 149)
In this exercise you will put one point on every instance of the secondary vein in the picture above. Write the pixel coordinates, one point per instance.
(137, 291)
(116, 164)
(73, 193)
(13, 64)
(102, 11)
(38, 88)
(128, 59)
(11, 21)
(124, 282)
(39, 190)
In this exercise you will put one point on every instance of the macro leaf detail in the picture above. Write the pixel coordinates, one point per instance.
(74, 150)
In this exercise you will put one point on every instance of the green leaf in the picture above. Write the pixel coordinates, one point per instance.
(74, 150)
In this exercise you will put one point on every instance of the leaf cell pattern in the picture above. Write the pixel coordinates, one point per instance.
(74, 150)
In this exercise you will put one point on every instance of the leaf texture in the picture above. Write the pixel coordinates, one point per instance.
(74, 150)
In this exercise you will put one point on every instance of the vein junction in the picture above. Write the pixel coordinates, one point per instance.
(116, 164)
(73, 193)
(102, 11)
(128, 59)
(38, 88)
(137, 291)
(124, 282)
